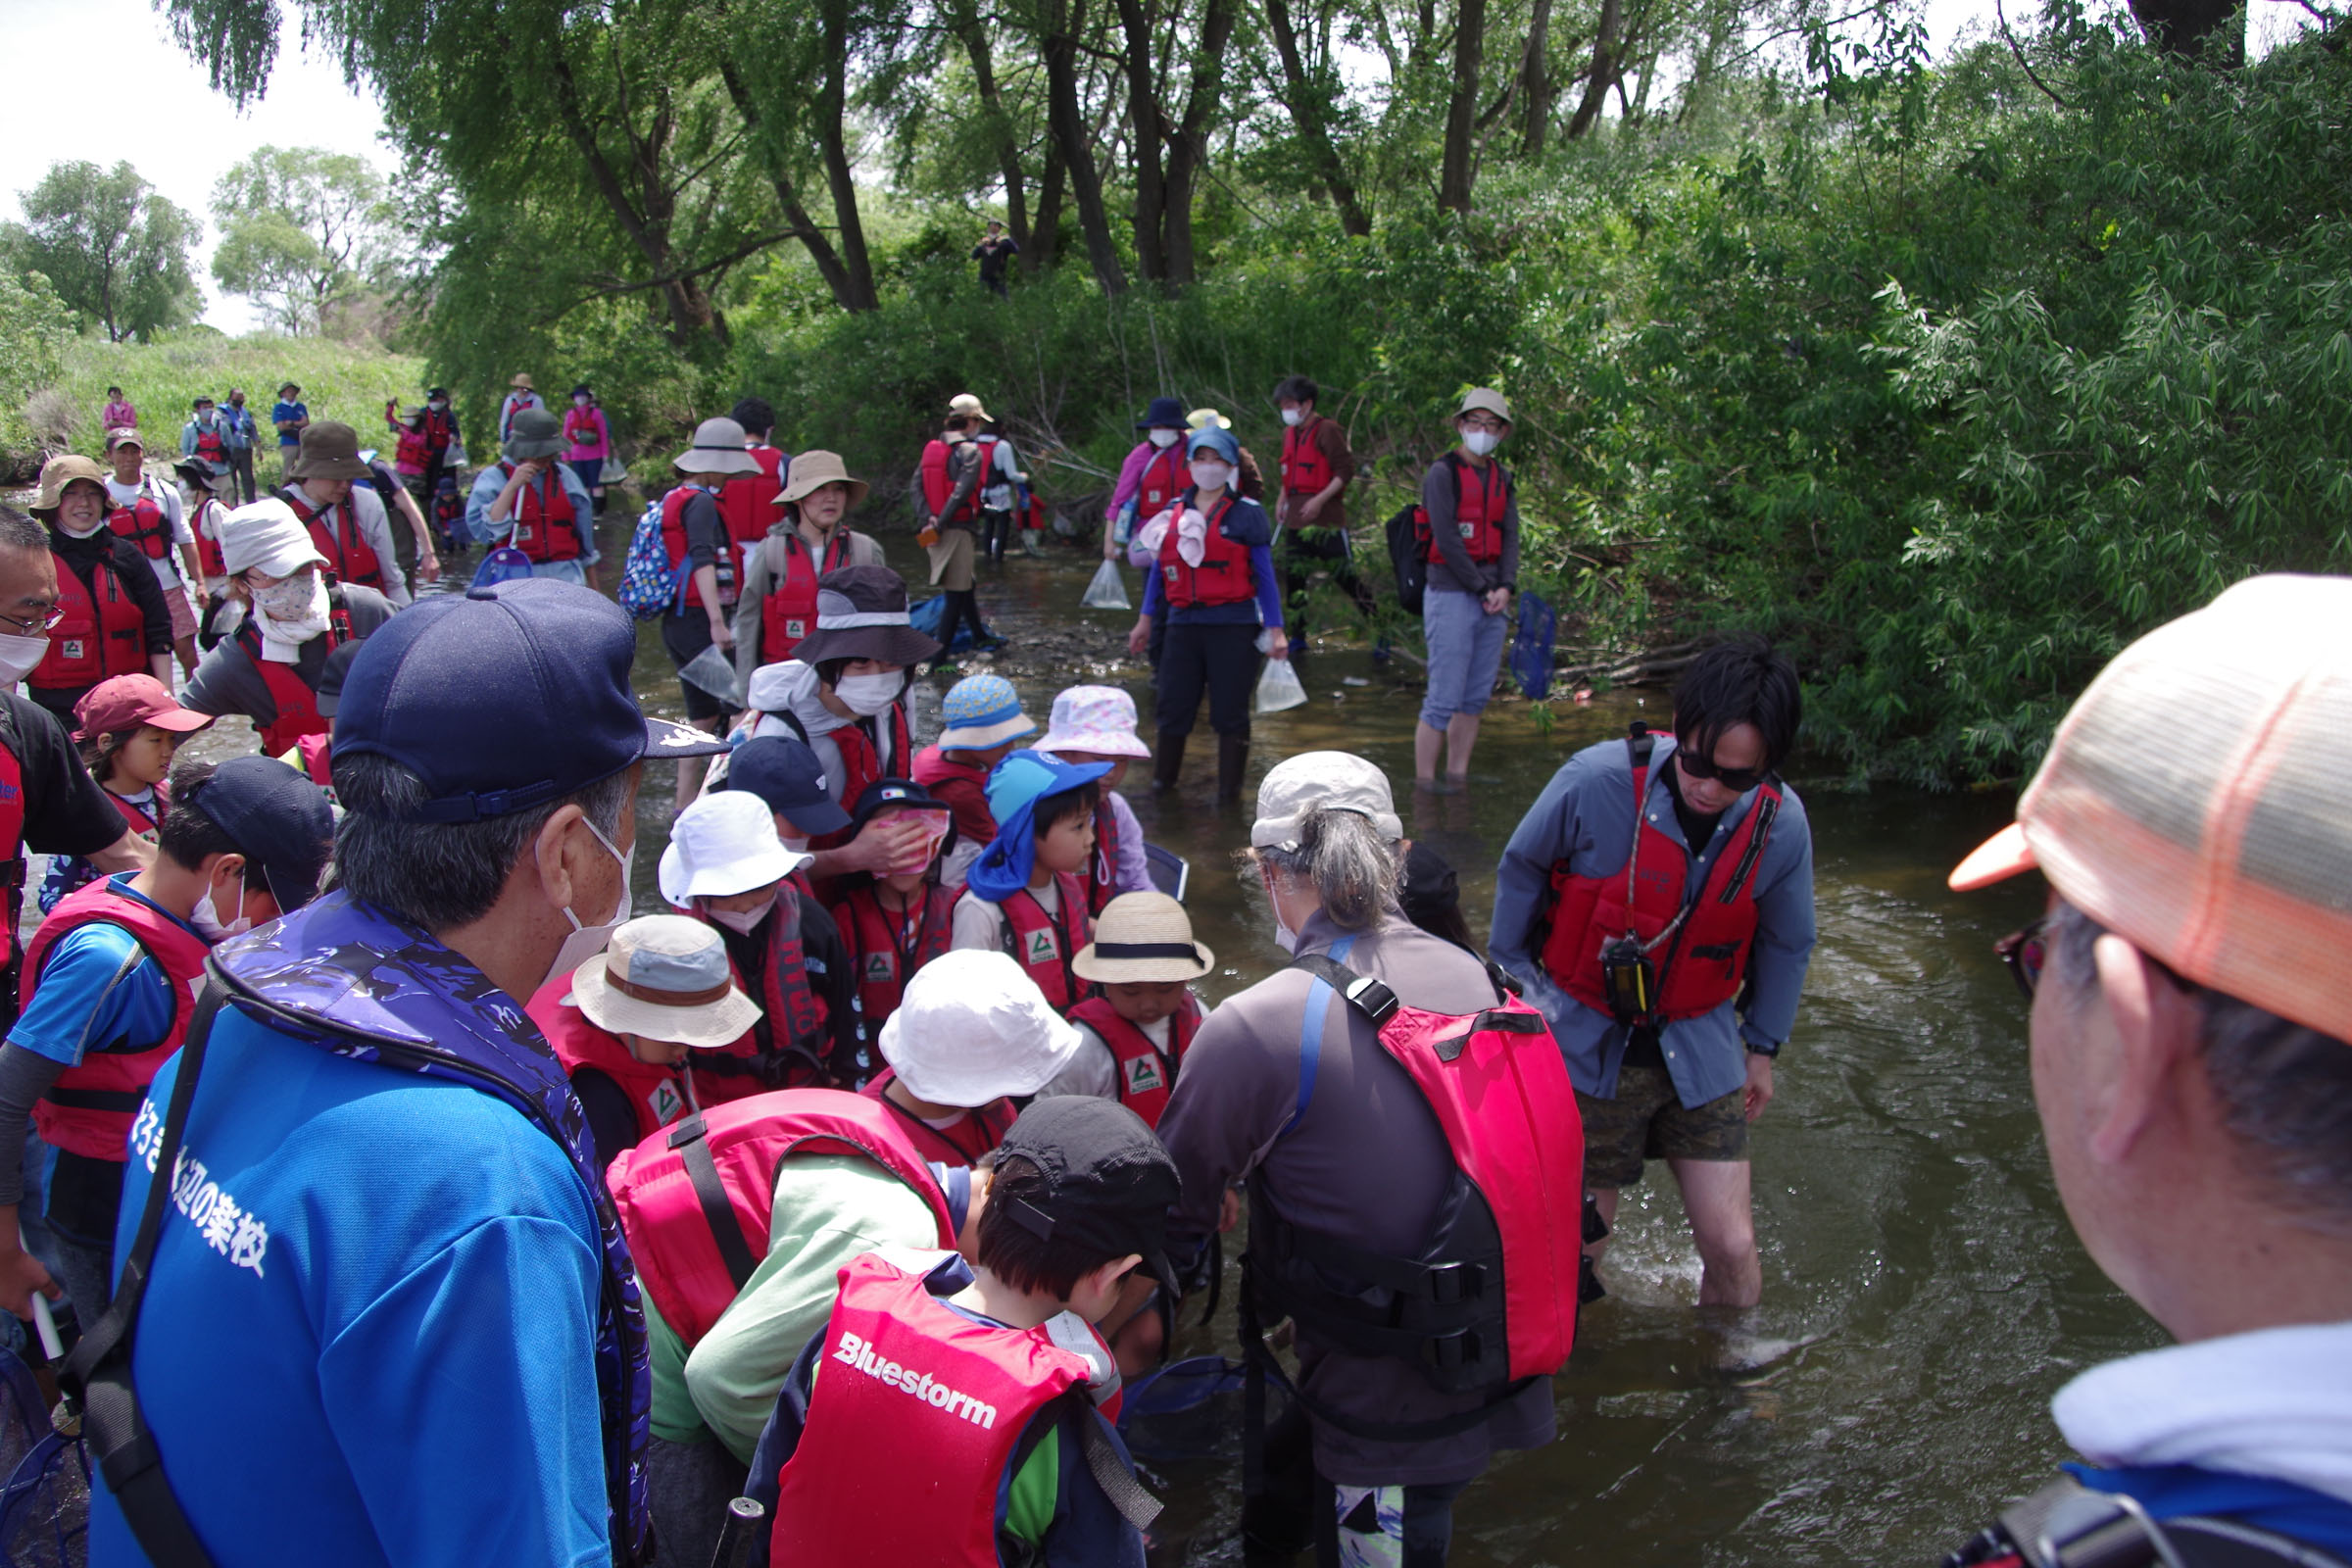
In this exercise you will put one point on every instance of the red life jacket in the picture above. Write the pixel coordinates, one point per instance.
(673, 544)
(297, 699)
(789, 611)
(12, 831)
(209, 559)
(1102, 881)
(1044, 943)
(885, 952)
(409, 453)
(135, 816)
(98, 635)
(748, 500)
(439, 429)
(1223, 575)
(791, 1015)
(1146, 1075)
(963, 787)
(695, 1204)
(861, 760)
(1489, 1300)
(1699, 945)
(143, 522)
(982, 1128)
(1163, 480)
(1305, 471)
(349, 556)
(1480, 503)
(657, 1094)
(211, 447)
(313, 754)
(89, 1109)
(880, 1479)
(546, 523)
(938, 485)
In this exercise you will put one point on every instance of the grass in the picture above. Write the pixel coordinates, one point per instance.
(163, 379)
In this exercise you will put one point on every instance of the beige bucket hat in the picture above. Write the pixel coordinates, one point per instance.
(522, 381)
(1484, 399)
(61, 471)
(1143, 936)
(665, 977)
(328, 450)
(814, 470)
(717, 449)
(964, 406)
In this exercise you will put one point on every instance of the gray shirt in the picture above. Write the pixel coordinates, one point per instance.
(226, 683)
(1453, 569)
(1366, 1163)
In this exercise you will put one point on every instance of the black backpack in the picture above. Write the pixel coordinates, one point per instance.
(1409, 550)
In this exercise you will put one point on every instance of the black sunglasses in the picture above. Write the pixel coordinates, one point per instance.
(2025, 952)
(1741, 779)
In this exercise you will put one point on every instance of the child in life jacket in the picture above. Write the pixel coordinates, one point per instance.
(971, 1033)
(966, 1372)
(1026, 894)
(788, 780)
(1097, 724)
(897, 920)
(1136, 1031)
(129, 726)
(984, 722)
(626, 1022)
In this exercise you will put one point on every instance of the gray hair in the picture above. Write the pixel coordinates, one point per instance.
(19, 532)
(1341, 856)
(442, 875)
(2284, 1090)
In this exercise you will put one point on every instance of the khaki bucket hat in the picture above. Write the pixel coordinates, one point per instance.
(59, 472)
(1484, 399)
(328, 450)
(813, 470)
(964, 406)
(522, 381)
(1143, 936)
(717, 449)
(665, 977)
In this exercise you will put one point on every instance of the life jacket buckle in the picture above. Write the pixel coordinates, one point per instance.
(1376, 1001)
(1450, 1283)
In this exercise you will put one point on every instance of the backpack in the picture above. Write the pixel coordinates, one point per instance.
(648, 587)
(1408, 552)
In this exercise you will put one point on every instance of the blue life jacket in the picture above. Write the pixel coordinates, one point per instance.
(2207, 1518)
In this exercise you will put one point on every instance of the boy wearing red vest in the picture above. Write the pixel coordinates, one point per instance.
(110, 985)
(1026, 894)
(1137, 1030)
(984, 722)
(971, 1032)
(1312, 510)
(112, 618)
(781, 568)
(993, 1379)
(899, 917)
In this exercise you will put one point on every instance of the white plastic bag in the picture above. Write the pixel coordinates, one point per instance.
(710, 671)
(1108, 590)
(1278, 688)
(614, 471)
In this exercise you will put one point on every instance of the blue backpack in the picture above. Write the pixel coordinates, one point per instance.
(648, 587)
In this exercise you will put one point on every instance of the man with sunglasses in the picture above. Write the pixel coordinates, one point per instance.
(2192, 1036)
(1656, 902)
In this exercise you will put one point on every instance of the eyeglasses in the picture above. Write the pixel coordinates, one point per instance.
(1741, 779)
(1480, 421)
(2025, 952)
(36, 626)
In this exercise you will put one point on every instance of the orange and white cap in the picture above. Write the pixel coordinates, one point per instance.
(2193, 800)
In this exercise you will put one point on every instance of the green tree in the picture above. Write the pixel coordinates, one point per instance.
(116, 252)
(35, 325)
(299, 227)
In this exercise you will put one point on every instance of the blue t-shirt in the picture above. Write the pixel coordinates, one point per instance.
(288, 411)
(370, 1334)
(72, 1011)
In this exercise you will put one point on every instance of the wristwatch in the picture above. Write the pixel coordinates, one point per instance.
(1755, 1050)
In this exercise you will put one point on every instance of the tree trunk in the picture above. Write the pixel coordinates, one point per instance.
(1148, 131)
(1045, 250)
(1189, 153)
(2211, 30)
(821, 253)
(833, 136)
(1063, 20)
(1602, 74)
(1461, 106)
(967, 27)
(1535, 81)
(1305, 103)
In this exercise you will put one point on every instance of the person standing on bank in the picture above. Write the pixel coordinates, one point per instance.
(993, 253)
(2191, 1060)
(291, 416)
(1213, 580)
(111, 617)
(530, 500)
(778, 605)
(358, 1302)
(204, 439)
(694, 534)
(150, 515)
(591, 442)
(1472, 515)
(1312, 510)
(111, 980)
(347, 524)
(1656, 902)
(238, 436)
(519, 397)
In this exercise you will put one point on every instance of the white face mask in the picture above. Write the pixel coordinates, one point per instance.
(587, 941)
(1284, 937)
(20, 656)
(1481, 442)
(81, 533)
(1293, 416)
(579, 402)
(796, 846)
(1163, 439)
(868, 694)
(206, 916)
(742, 922)
(297, 598)
(1211, 475)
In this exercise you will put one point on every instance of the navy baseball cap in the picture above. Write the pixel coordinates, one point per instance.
(279, 820)
(786, 774)
(515, 695)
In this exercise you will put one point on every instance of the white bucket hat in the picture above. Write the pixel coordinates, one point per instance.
(721, 844)
(1143, 936)
(266, 536)
(972, 1028)
(1099, 720)
(1340, 781)
(664, 977)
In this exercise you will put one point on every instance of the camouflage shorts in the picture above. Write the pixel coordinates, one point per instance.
(1648, 1120)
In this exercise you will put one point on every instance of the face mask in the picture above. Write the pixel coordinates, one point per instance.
(868, 694)
(438, 403)
(1163, 439)
(1481, 442)
(20, 656)
(1284, 937)
(579, 402)
(742, 922)
(1211, 475)
(79, 533)
(205, 917)
(1293, 416)
(587, 941)
(296, 598)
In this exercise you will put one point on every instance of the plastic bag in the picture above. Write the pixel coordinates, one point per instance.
(1108, 590)
(614, 471)
(1278, 688)
(713, 672)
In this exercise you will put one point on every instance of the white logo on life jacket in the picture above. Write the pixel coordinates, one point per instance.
(881, 966)
(797, 628)
(1142, 1076)
(666, 1101)
(1042, 948)
(855, 1352)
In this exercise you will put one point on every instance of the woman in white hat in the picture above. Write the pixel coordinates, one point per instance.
(971, 1031)
(626, 1022)
(778, 604)
(702, 560)
(1138, 1029)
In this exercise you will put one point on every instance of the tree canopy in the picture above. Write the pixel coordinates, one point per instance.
(300, 228)
(116, 252)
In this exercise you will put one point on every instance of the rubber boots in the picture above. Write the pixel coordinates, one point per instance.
(1167, 762)
(1233, 756)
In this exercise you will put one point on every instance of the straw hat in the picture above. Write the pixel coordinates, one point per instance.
(664, 977)
(973, 1028)
(522, 381)
(1143, 936)
(813, 470)
(717, 449)
(964, 406)
(59, 472)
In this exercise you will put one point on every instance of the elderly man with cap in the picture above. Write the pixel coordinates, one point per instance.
(391, 1151)
(111, 980)
(1279, 1087)
(112, 618)
(282, 621)
(703, 564)
(530, 500)
(963, 475)
(521, 396)
(2192, 1064)
(347, 524)
(149, 515)
(812, 539)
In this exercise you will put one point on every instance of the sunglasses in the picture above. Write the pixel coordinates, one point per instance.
(1741, 779)
(2025, 952)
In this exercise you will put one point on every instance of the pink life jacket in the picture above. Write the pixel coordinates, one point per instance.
(1489, 1301)
(695, 1201)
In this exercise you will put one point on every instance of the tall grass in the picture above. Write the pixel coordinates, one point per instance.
(163, 380)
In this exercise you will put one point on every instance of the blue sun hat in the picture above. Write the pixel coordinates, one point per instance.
(981, 711)
(1020, 782)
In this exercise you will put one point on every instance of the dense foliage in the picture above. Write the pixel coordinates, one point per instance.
(114, 250)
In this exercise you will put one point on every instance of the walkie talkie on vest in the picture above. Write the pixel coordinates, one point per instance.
(1629, 979)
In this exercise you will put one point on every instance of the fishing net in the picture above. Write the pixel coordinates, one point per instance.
(45, 1502)
(1530, 648)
